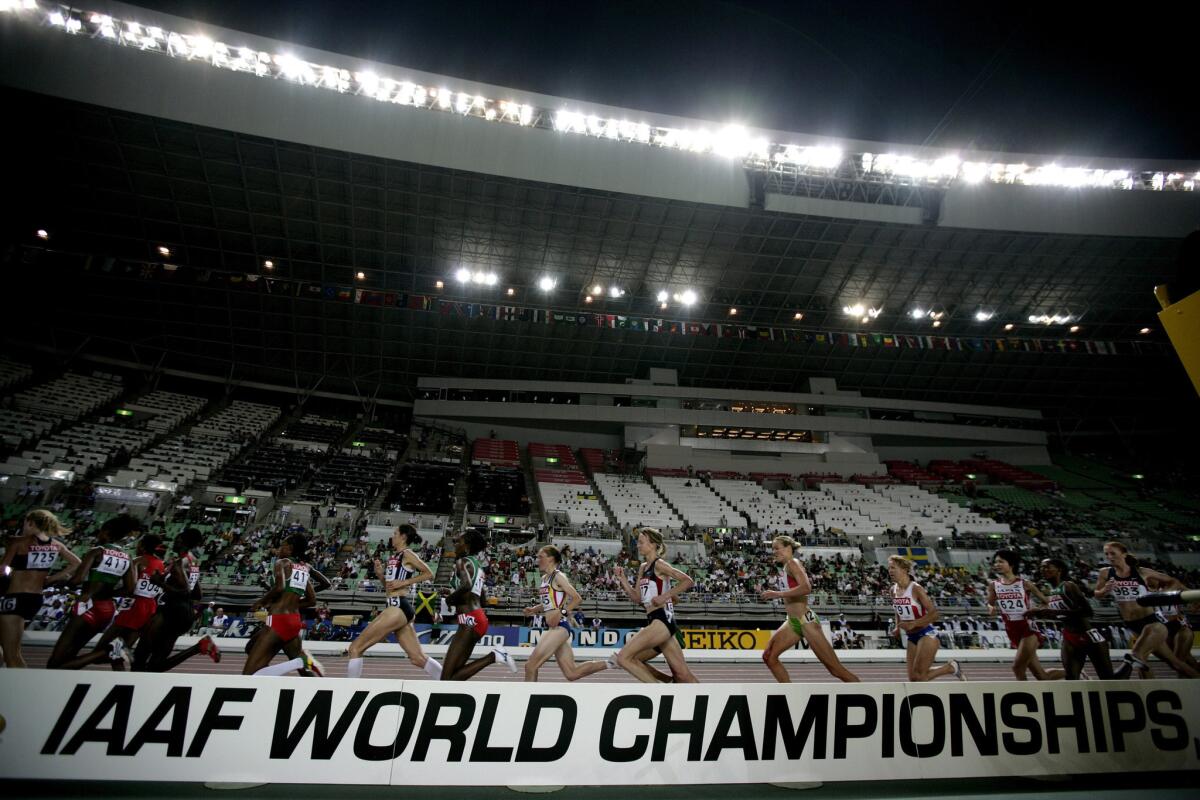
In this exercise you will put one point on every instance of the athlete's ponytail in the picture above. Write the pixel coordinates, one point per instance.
(787, 541)
(411, 537)
(46, 522)
(655, 536)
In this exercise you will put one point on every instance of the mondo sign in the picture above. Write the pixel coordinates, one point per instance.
(289, 730)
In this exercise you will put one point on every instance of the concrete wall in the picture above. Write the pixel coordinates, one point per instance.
(723, 460)
(523, 435)
(1030, 455)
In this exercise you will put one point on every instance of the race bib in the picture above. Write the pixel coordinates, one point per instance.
(112, 562)
(298, 580)
(41, 556)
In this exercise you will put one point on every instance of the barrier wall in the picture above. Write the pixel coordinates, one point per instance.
(187, 727)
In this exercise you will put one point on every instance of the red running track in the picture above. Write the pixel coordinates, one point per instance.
(401, 669)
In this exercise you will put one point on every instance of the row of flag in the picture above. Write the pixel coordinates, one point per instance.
(544, 316)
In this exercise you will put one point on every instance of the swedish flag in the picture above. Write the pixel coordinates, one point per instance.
(914, 554)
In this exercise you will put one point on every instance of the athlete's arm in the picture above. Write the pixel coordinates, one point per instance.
(423, 573)
(464, 583)
(991, 599)
(10, 550)
(274, 591)
(932, 614)
(803, 586)
(1037, 595)
(630, 592)
(85, 566)
(72, 560)
(1160, 581)
(319, 581)
(1103, 583)
(573, 598)
(681, 580)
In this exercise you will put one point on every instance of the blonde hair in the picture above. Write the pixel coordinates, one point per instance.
(902, 562)
(553, 552)
(46, 522)
(654, 535)
(786, 541)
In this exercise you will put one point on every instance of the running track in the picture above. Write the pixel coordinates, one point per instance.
(401, 669)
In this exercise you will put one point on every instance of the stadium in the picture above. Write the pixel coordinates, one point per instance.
(724, 404)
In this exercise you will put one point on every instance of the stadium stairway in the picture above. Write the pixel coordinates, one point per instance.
(537, 511)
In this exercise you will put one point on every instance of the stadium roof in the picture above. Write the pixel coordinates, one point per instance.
(358, 242)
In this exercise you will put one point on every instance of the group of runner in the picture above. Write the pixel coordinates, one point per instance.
(140, 605)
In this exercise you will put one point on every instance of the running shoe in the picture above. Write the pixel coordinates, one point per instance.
(611, 661)
(504, 658)
(312, 665)
(956, 670)
(117, 652)
(209, 648)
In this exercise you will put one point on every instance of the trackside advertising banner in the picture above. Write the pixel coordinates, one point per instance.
(113, 726)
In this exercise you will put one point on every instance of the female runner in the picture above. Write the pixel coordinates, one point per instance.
(104, 572)
(403, 572)
(127, 626)
(1126, 582)
(28, 560)
(1179, 634)
(467, 599)
(656, 594)
(559, 599)
(1011, 596)
(802, 622)
(291, 591)
(175, 616)
(915, 615)
(1080, 641)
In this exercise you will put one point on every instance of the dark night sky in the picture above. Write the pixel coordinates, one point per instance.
(1050, 77)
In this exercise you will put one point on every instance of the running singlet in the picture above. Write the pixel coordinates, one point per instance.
(1012, 599)
(786, 581)
(396, 570)
(109, 567)
(191, 568)
(145, 587)
(1128, 590)
(474, 575)
(552, 599)
(906, 607)
(1075, 618)
(652, 586)
(297, 582)
(39, 557)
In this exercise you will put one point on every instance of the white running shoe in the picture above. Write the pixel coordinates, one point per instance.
(502, 657)
(117, 652)
(312, 665)
(956, 670)
(611, 661)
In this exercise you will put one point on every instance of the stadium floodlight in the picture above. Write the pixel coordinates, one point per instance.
(439, 285)
(984, 316)
(462, 103)
(662, 296)
(615, 292)
(855, 310)
(491, 279)
(511, 291)
(463, 275)
(1144, 331)
(164, 251)
(733, 312)
(688, 297)
(597, 289)
(1008, 327)
(587, 298)
(42, 233)
(269, 264)
(525, 116)
(1074, 329)
(546, 284)
(57, 19)
(444, 98)
(490, 114)
(798, 316)
(662, 305)
(866, 320)
(937, 323)
(362, 276)
(917, 313)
